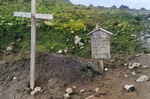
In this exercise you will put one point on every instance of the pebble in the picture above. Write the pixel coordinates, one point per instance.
(69, 91)
(37, 89)
(33, 93)
(129, 87)
(130, 64)
(83, 90)
(77, 40)
(90, 97)
(59, 52)
(66, 96)
(133, 73)
(142, 78)
(137, 55)
(74, 87)
(14, 78)
(146, 66)
(106, 69)
(66, 51)
(9, 48)
(97, 89)
(81, 44)
(125, 75)
(134, 65)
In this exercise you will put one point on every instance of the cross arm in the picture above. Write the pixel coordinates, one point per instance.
(38, 16)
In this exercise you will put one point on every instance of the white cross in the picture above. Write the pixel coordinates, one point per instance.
(33, 15)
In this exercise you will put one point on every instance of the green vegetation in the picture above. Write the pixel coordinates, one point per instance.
(69, 21)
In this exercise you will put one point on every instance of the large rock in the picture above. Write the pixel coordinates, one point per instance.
(142, 79)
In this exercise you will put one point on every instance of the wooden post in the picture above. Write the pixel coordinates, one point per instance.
(33, 15)
(33, 44)
(101, 62)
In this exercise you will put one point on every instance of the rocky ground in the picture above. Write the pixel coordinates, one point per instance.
(74, 77)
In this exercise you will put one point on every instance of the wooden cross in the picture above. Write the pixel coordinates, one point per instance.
(33, 15)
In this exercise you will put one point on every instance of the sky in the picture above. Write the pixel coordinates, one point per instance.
(137, 4)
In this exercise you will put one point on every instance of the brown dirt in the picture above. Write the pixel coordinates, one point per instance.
(55, 73)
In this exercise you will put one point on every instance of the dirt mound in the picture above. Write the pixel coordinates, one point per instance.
(51, 70)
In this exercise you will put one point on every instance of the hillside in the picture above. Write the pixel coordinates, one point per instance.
(69, 21)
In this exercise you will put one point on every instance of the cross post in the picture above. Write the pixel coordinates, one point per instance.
(33, 15)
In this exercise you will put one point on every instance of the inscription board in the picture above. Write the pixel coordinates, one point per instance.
(100, 43)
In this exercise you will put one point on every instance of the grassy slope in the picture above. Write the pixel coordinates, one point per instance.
(69, 21)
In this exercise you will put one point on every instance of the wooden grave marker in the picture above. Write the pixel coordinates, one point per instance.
(33, 15)
(100, 45)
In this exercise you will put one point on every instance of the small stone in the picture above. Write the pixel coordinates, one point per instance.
(81, 47)
(133, 73)
(125, 64)
(52, 48)
(106, 69)
(81, 44)
(90, 97)
(134, 65)
(97, 89)
(65, 51)
(37, 89)
(76, 37)
(33, 93)
(69, 91)
(129, 87)
(142, 78)
(125, 75)
(77, 40)
(59, 52)
(146, 66)
(9, 48)
(137, 55)
(74, 87)
(14, 78)
(12, 43)
(83, 90)
(130, 64)
(66, 96)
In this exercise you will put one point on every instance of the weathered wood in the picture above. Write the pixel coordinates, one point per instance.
(44, 16)
(101, 61)
(22, 14)
(33, 44)
(100, 43)
(33, 17)
(37, 16)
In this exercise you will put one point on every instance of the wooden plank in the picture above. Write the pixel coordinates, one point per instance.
(100, 43)
(33, 43)
(22, 14)
(101, 61)
(44, 16)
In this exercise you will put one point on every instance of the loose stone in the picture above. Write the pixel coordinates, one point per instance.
(142, 78)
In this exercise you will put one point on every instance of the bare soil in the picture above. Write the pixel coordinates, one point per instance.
(55, 73)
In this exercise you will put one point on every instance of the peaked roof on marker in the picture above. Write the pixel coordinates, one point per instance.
(101, 30)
